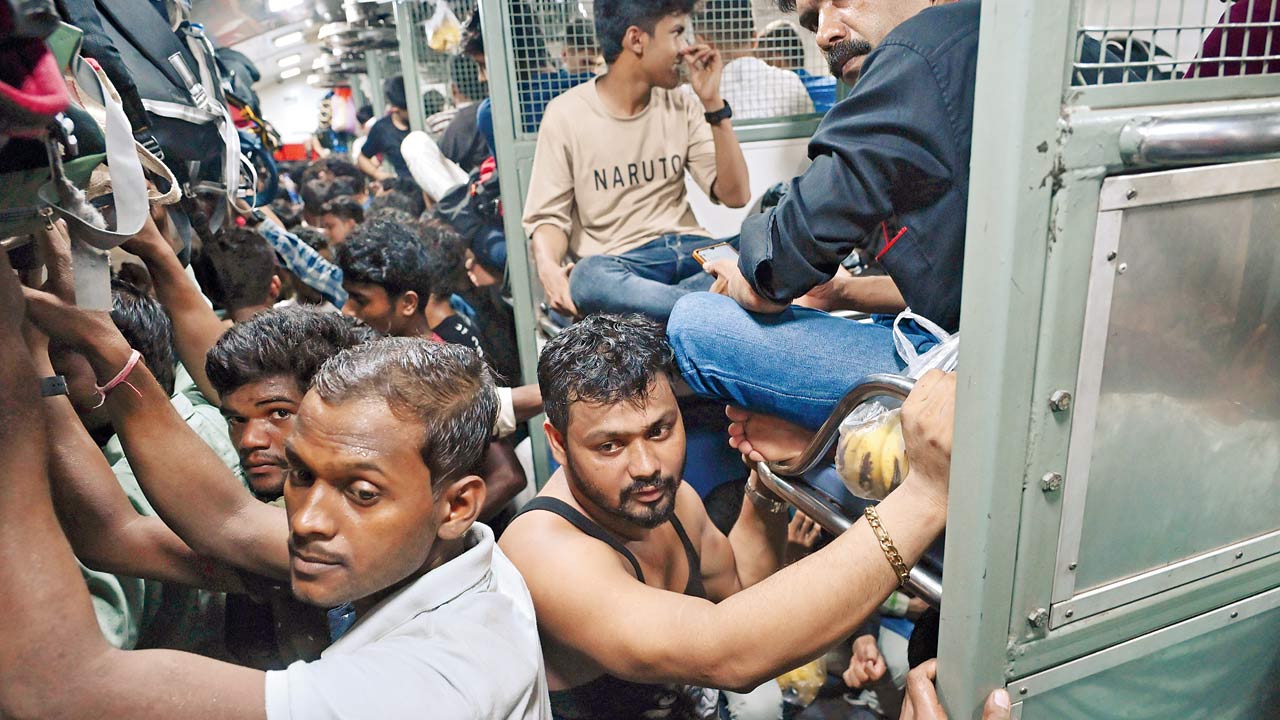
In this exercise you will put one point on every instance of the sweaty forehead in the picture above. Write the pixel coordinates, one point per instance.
(624, 417)
(263, 390)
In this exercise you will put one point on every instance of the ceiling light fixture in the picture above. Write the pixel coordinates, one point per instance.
(290, 73)
(287, 39)
(289, 60)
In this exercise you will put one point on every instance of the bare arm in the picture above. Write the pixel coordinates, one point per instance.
(732, 185)
(644, 634)
(550, 244)
(503, 479)
(527, 400)
(866, 293)
(195, 326)
(54, 660)
(369, 167)
(204, 503)
(752, 552)
(105, 530)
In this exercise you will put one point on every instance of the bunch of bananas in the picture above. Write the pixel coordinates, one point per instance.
(872, 457)
(802, 684)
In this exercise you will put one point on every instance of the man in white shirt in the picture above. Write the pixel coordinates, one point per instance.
(754, 88)
(381, 500)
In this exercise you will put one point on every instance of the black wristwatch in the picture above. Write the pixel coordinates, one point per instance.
(53, 386)
(723, 113)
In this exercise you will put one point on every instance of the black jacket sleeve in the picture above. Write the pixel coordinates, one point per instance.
(886, 149)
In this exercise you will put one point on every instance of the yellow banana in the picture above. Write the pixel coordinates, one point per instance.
(872, 461)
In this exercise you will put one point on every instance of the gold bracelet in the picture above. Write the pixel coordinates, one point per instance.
(886, 544)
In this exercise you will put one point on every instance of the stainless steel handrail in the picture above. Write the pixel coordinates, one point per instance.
(922, 582)
(877, 385)
(1212, 139)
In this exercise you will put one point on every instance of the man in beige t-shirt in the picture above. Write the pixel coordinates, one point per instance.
(608, 178)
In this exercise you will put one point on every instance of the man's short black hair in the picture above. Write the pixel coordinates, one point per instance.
(786, 6)
(466, 78)
(391, 214)
(446, 259)
(289, 213)
(315, 239)
(393, 90)
(344, 207)
(412, 203)
(146, 328)
(236, 268)
(293, 342)
(399, 184)
(447, 388)
(315, 193)
(345, 169)
(781, 41)
(364, 114)
(345, 185)
(604, 359)
(388, 255)
(613, 17)
(726, 22)
(580, 35)
(433, 102)
(473, 36)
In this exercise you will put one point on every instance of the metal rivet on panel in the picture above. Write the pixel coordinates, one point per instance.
(1060, 401)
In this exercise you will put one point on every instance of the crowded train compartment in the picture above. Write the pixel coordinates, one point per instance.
(776, 213)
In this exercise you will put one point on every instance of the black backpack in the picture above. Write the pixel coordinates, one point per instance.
(472, 206)
(170, 85)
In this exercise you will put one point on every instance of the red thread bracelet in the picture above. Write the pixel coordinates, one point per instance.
(113, 383)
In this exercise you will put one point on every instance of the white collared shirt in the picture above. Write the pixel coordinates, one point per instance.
(459, 643)
(755, 89)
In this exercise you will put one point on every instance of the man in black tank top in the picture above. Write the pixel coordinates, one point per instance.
(631, 581)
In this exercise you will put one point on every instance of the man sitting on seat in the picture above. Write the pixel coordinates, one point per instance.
(638, 595)
(380, 512)
(754, 88)
(608, 182)
(890, 175)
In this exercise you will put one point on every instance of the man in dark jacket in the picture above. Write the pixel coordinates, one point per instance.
(890, 177)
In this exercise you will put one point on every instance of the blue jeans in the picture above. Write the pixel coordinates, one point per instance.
(648, 280)
(795, 365)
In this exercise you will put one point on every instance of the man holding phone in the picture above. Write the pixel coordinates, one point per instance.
(607, 190)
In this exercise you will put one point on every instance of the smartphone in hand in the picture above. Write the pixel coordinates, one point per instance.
(712, 253)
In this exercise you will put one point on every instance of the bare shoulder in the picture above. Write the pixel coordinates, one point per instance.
(692, 512)
(546, 547)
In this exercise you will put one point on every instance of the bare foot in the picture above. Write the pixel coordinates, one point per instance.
(764, 437)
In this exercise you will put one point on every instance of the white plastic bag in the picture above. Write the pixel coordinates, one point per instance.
(942, 356)
(443, 30)
(871, 455)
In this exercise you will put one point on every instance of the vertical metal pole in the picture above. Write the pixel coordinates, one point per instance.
(373, 74)
(515, 158)
(357, 94)
(1024, 61)
(406, 32)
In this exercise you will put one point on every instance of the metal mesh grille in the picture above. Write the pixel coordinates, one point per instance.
(773, 67)
(1162, 40)
(436, 70)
